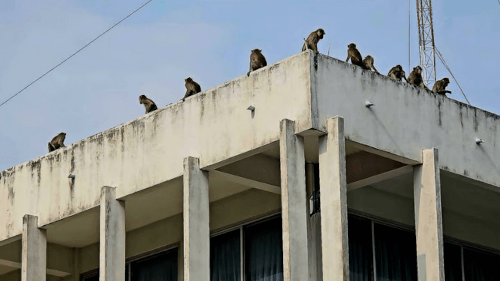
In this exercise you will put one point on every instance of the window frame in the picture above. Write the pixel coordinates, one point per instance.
(457, 242)
(240, 227)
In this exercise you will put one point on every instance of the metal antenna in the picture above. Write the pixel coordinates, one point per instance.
(426, 41)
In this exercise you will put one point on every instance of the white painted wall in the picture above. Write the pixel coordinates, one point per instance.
(214, 125)
(404, 120)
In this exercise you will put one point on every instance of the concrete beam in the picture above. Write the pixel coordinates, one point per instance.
(293, 204)
(18, 265)
(333, 186)
(34, 250)
(196, 215)
(247, 182)
(428, 218)
(112, 236)
(383, 153)
(380, 177)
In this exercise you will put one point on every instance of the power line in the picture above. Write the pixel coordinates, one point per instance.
(409, 34)
(76, 52)
(449, 70)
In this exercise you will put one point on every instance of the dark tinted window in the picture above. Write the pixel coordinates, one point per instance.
(225, 257)
(360, 249)
(396, 254)
(161, 267)
(263, 251)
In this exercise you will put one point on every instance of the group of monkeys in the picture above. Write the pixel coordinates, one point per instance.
(257, 60)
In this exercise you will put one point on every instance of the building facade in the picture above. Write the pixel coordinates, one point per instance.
(310, 183)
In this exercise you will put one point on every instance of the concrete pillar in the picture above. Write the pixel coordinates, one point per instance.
(34, 250)
(196, 222)
(428, 217)
(293, 204)
(333, 186)
(112, 236)
(313, 228)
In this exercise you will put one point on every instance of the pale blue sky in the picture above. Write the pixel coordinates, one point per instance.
(153, 51)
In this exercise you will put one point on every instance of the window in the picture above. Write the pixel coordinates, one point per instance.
(360, 249)
(379, 252)
(158, 267)
(452, 262)
(480, 265)
(262, 253)
(395, 254)
(94, 277)
(225, 257)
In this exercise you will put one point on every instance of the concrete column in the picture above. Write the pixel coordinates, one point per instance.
(428, 217)
(313, 229)
(333, 186)
(196, 222)
(34, 250)
(293, 204)
(112, 236)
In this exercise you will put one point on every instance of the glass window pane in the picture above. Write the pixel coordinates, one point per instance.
(396, 254)
(161, 267)
(481, 266)
(264, 251)
(360, 249)
(225, 257)
(452, 262)
(93, 278)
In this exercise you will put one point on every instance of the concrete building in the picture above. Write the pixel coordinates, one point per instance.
(310, 185)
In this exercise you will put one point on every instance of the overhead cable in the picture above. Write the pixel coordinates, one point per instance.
(76, 52)
(449, 70)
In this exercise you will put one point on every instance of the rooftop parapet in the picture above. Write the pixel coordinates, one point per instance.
(216, 126)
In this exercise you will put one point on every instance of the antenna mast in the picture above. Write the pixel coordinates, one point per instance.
(426, 41)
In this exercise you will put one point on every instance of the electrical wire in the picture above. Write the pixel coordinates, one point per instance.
(76, 52)
(409, 34)
(449, 70)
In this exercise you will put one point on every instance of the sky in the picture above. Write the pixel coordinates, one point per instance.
(153, 51)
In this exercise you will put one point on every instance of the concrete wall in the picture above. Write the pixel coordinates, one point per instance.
(405, 120)
(214, 125)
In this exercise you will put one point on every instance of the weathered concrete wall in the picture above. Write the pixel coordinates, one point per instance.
(404, 120)
(214, 125)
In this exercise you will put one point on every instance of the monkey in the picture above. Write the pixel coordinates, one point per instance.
(191, 88)
(149, 105)
(57, 142)
(440, 86)
(397, 73)
(354, 55)
(415, 78)
(257, 60)
(369, 64)
(312, 40)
